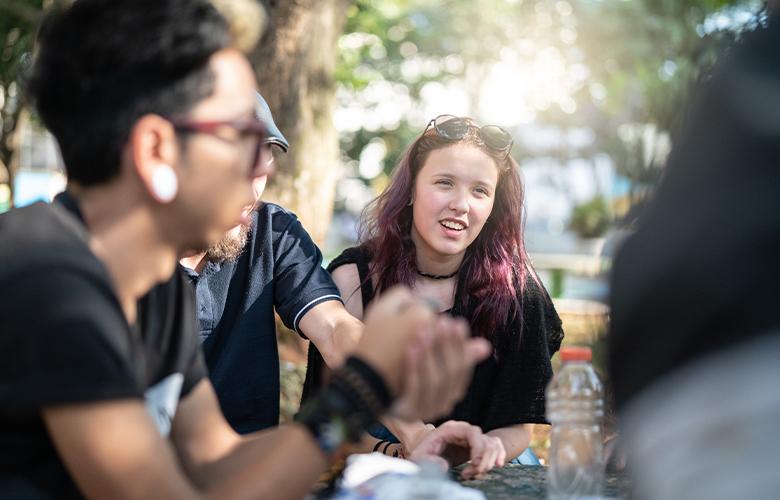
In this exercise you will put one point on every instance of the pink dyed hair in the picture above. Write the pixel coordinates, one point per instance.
(495, 264)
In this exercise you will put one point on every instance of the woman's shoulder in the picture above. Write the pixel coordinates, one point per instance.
(532, 294)
(539, 314)
(349, 273)
(540, 320)
(533, 289)
(357, 255)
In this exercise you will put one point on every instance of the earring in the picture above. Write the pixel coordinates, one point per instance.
(165, 184)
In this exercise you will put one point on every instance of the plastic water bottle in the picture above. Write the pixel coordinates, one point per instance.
(575, 410)
(429, 482)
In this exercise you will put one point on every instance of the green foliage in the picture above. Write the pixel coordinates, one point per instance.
(650, 63)
(18, 23)
(641, 60)
(591, 219)
(409, 43)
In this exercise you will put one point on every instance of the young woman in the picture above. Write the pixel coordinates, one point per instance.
(449, 225)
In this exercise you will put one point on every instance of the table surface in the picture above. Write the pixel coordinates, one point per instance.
(527, 482)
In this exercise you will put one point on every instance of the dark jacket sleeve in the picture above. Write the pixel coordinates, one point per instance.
(301, 282)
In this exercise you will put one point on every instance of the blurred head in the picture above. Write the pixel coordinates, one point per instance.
(150, 94)
(230, 246)
(456, 191)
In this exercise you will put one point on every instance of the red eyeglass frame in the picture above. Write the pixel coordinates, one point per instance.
(245, 128)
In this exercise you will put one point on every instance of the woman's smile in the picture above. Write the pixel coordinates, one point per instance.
(453, 197)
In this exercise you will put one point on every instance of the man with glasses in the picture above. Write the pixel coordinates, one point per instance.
(256, 268)
(103, 388)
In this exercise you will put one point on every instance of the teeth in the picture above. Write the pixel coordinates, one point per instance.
(452, 225)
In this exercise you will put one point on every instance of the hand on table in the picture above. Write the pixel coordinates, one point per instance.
(455, 442)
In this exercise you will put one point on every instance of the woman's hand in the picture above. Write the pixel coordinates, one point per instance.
(456, 442)
(412, 439)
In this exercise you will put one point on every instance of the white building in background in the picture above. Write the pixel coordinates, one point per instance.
(40, 172)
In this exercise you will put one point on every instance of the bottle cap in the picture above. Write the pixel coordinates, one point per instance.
(576, 354)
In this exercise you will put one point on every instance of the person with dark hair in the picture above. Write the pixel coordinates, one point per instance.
(449, 226)
(694, 339)
(103, 389)
(270, 264)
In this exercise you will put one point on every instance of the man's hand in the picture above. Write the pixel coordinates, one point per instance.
(437, 369)
(455, 442)
(426, 359)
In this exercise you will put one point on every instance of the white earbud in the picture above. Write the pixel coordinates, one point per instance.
(165, 184)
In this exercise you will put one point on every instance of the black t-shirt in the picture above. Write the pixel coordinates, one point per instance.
(701, 273)
(506, 389)
(281, 269)
(65, 340)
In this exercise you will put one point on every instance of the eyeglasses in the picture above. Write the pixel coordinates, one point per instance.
(245, 128)
(455, 128)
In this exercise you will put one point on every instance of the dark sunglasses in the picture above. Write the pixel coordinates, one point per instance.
(245, 128)
(455, 128)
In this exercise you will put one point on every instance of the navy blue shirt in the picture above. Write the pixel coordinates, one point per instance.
(280, 268)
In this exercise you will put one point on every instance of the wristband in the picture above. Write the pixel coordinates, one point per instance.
(371, 378)
(384, 450)
(331, 418)
(347, 406)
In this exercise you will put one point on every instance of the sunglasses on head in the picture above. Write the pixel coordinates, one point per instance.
(455, 128)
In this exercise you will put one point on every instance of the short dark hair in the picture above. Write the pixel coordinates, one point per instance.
(102, 64)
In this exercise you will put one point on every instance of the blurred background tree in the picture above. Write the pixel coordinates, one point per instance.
(599, 86)
(590, 219)
(18, 21)
(295, 63)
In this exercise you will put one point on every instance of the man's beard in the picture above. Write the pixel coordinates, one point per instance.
(229, 247)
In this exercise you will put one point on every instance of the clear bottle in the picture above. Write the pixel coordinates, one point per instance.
(575, 409)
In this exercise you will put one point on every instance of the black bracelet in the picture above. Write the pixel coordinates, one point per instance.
(351, 383)
(372, 378)
(378, 444)
(347, 406)
(331, 419)
(384, 450)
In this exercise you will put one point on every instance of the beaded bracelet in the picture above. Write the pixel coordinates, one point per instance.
(348, 405)
(365, 380)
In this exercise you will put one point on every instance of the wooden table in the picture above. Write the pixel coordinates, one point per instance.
(529, 482)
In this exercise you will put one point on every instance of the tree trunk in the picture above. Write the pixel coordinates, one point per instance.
(295, 62)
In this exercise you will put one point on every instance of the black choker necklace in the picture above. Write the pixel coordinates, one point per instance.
(437, 276)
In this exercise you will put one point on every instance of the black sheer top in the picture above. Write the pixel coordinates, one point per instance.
(508, 387)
